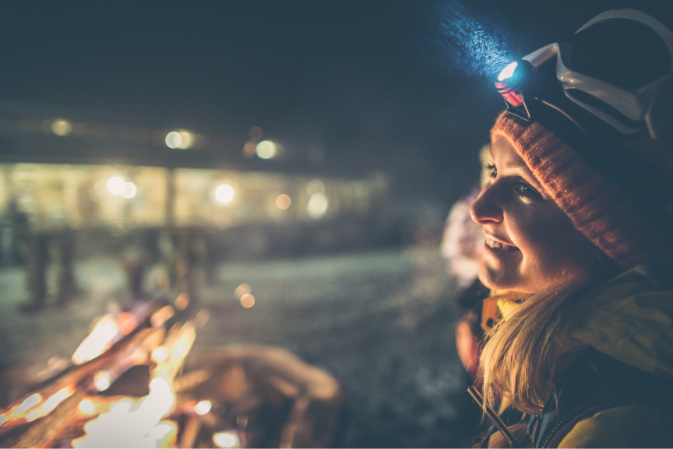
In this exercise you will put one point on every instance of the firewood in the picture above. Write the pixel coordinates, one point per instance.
(82, 376)
(41, 432)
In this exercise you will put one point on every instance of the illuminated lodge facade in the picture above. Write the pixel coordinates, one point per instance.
(80, 196)
(63, 170)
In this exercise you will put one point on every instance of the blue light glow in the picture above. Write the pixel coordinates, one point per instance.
(461, 39)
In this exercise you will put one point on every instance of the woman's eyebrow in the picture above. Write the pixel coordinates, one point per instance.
(521, 165)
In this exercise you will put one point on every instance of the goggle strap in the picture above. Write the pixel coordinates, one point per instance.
(659, 119)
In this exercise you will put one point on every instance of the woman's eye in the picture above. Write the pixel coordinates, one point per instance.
(492, 171)
(525, 191)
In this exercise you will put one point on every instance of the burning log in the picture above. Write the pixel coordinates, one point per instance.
(55, 401)
(41, 432)
(239, 396)
(76, 377)
(103, 356)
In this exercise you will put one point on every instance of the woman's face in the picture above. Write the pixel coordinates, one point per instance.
(530, 243)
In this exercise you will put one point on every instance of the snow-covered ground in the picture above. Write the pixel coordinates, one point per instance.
(381, 321)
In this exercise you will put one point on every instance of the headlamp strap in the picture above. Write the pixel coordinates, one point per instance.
(519, 114)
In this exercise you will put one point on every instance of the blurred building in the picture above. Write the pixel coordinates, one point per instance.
(103, 177)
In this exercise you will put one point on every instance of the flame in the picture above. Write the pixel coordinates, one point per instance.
(162, 315)
(178, 343)
(28, 403)
(50, 404)
(182, 301)
(20, 410)
(164, 434)
(127, 422)
(101, 336)
(139, 422)
(226, 439)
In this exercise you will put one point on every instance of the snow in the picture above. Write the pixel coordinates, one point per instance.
(382, 322)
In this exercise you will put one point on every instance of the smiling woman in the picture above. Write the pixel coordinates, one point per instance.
(518, 219)
(578, 225)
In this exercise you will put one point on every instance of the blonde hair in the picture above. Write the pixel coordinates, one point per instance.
(526, 351)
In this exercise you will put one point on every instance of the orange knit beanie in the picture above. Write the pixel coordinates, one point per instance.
(611, 219)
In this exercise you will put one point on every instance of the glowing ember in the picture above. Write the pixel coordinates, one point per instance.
(202, 408)
(102, 380)
(87, 407)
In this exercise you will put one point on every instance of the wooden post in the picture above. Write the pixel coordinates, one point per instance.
(37, 270)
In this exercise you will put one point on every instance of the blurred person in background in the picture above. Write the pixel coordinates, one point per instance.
(461, 248)
(577, 221)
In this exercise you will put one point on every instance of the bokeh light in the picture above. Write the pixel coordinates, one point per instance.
(180, 140)
(87, 407)
(283, 201)
(116, 185)
(160, 354)
(102, 380)
(225, 439)
(224, 193)
(266, 149)
(130, 190)
(61, 127)
(202, 408)
(247, 300)
(317, 205)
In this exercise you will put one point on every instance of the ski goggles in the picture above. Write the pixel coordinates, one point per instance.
(592, 76)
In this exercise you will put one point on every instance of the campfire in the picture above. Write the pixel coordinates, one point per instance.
(127, 385)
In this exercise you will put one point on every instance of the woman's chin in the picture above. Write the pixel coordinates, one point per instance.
(499, 279)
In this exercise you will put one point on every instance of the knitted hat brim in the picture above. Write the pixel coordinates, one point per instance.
(596, 207)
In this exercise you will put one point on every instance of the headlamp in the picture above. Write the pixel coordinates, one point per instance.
(609, 84)
(599, 80)
(510, 84)
(511, 79)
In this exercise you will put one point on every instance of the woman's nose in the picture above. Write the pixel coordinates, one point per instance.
(485, 208)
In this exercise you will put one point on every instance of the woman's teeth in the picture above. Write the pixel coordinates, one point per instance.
(501, 246)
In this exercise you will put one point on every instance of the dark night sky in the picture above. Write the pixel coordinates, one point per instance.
(367, 81)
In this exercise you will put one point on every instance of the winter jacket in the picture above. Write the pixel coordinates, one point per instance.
(618, 393)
